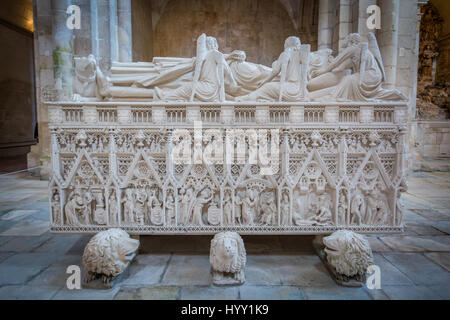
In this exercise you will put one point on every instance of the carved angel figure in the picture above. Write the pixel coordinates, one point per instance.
(356, 74)
(209, 76)
(292, 67)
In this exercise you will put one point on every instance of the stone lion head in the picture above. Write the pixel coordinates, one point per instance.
(227, 252)
(348, 252)
(109, 252)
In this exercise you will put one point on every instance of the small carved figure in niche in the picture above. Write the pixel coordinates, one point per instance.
(285, 208)
(357, 208)
(268, 208)
(377, 208)
(140, 207)
(154, 205)
(128, 207)
(363, 83)
(100, 212)
(291, 66)
(56, 209)
(78, 208)
(113, 209)
(238, 208)
(324, 209)
(184, 206)
(170, 209)
(197, 209)
(227, 209)
(342, 208)
(249, 207)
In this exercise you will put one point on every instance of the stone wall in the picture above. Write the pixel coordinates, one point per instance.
(257, 27)
(17, 103)
(142, 30)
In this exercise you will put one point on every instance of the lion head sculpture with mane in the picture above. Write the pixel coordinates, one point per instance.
(108, 253)
(227, 258)
(349, 253)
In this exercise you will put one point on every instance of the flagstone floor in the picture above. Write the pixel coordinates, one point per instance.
(415, 265)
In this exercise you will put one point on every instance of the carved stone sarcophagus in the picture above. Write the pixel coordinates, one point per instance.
(196, 148)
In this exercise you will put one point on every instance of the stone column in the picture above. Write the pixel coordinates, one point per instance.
(366, 114)
(159, 114)
(125, 30)
(262, 114)
(124, 114)
(297, 114)
(63, 49)
(193, 114)
(326, 15)
(345, 20)
(388, 39)
(100, 34)
(90, 114)
(331, 114)
(227, 114)
(113, 31)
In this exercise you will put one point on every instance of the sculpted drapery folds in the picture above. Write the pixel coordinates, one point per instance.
(355, 74)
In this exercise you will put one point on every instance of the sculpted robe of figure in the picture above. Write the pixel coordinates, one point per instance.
(249, 208)
(285, 206)
(249, 76)
(113, 209)
(292, 68)
(356, 74)
(197, 209)
(227, 210)
(128, 207)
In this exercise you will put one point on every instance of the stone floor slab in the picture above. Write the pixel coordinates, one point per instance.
(184, 270)
(147, 269)
(443, 226)
(440, 258)
(24, 244)
(85, 294)
(209, 293)
(26, 292)
(390, 275)
(419, 244)
(442, 291)
(16, 214)
(424, 230)
(152, 293)
(17, 275)
(59, 243)
(271, 293)
(336, 293)
(305, 271)
(53, 276)
(432, 214)
(31, 259)
(410, 293)
(418, 268)
(377, 245)
(27, 227)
